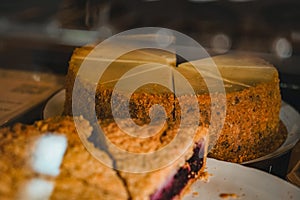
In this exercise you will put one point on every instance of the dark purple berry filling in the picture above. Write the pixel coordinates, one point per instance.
(177, 183)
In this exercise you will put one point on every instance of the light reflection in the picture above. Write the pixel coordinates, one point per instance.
(164, 37)
(105, 31)
(221, 43)
(36, 77)
(48, 154)
(37, 189)
(282, 48)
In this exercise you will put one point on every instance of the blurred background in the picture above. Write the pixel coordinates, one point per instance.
(41, 35)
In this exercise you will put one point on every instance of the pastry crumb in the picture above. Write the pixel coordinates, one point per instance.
(195, 194)
(204, 176)
(228, 195)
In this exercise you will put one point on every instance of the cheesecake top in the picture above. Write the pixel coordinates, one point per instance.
(233, 71)
(236, 72)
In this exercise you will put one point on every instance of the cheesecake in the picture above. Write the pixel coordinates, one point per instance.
(237, 96)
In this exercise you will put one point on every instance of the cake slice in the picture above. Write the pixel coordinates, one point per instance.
(31, 169)
(245, 122)
(87, 66)
(56, 159)
(162, 162)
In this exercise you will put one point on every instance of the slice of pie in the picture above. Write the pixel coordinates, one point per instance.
(160, 165)
(31, 167)
(48, 160)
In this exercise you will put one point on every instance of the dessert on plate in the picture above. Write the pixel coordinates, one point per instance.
(252, 127)
(47, 160)
(246, 123)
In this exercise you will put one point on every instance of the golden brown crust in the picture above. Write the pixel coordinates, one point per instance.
(81, 175)
(142, 185)
(141, 100)
(252, 108)
(251, 127)
(250, 132)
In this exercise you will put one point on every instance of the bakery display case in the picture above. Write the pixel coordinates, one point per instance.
(255, 45)
(44, 34)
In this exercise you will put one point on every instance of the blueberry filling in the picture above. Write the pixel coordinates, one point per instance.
(189, 171)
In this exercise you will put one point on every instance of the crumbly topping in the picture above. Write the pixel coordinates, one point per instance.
(252, 113)
(81, 175)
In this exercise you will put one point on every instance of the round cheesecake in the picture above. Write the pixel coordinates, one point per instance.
(248, 124)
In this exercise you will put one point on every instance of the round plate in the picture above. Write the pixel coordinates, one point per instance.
(244, 183)
(291, 119)
(55, 105)
(289, 116)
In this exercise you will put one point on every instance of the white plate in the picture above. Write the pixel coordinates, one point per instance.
(289, 116)
(247, 183)
(55, 105)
